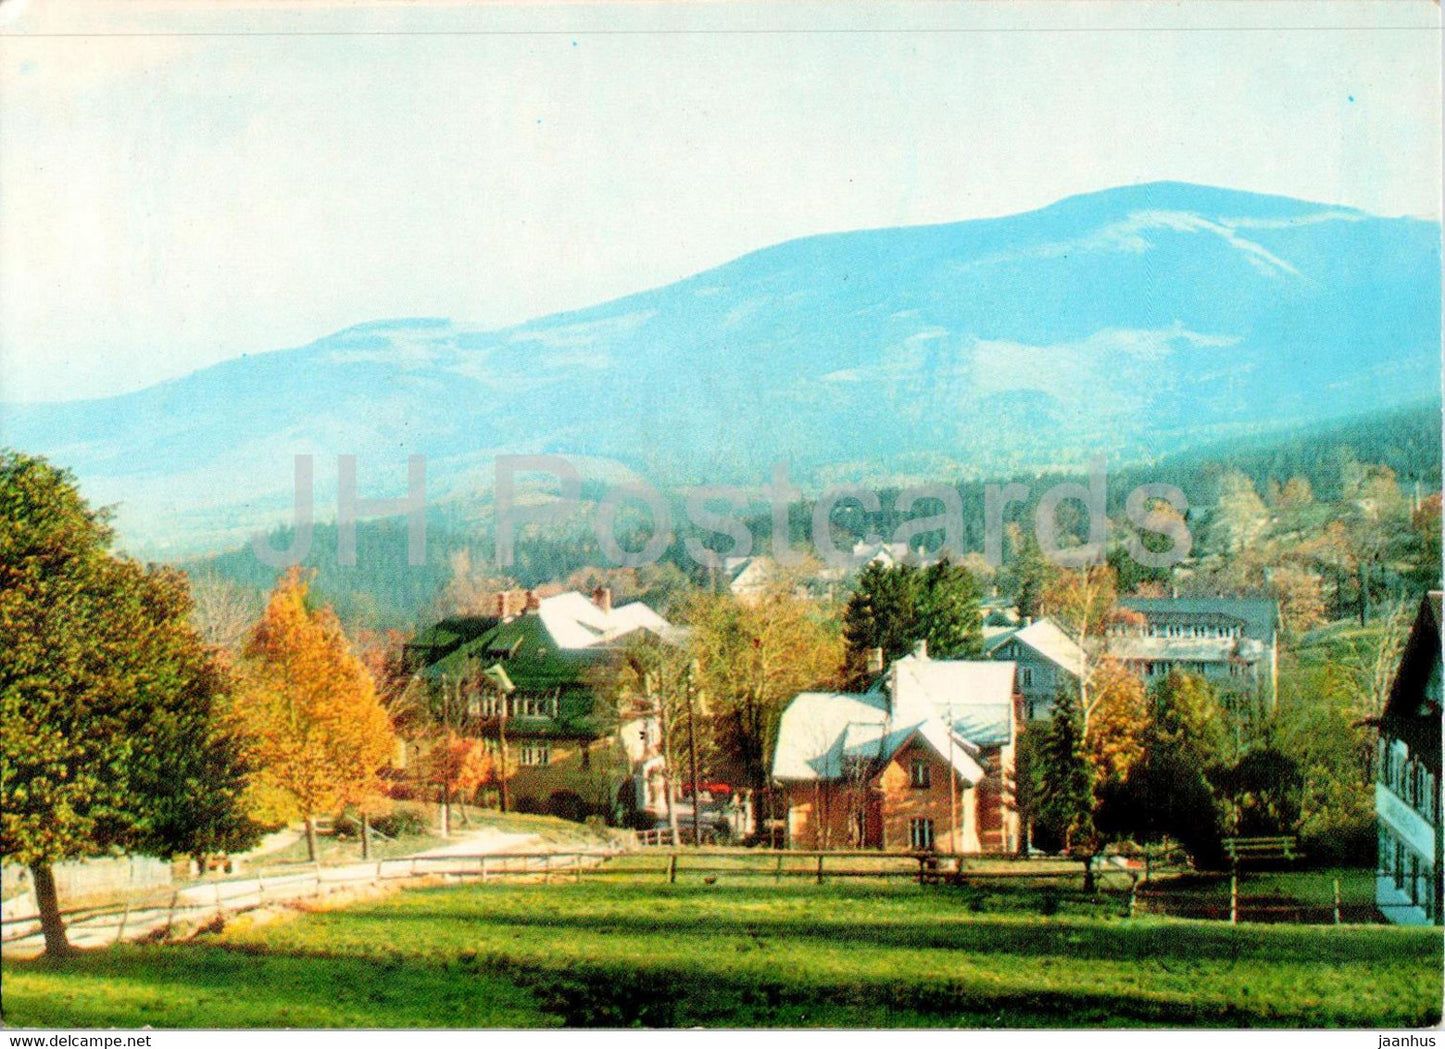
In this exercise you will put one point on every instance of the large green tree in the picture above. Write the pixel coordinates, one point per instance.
(893, 607)
(1063, 794)
(108, 698)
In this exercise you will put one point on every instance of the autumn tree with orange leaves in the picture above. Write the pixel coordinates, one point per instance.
(318, 734)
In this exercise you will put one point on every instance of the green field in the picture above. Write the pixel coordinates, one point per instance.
(620, 953)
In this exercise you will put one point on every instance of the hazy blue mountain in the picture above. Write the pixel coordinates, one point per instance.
(1128, 323)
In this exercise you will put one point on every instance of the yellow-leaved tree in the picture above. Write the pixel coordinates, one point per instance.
(318, 734)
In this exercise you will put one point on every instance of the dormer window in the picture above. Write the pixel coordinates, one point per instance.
(920, 774)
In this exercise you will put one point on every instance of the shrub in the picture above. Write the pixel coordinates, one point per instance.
(401, 823)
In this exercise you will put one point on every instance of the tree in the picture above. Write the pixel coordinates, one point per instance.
(1168, 790)
(1085, 603)
(224, 611)
(894, 607)
(1301, 599)
(947, 610)
(318, 734)
(656, 682)
(1115, 737)
(751, 659)
(1296, 494)
(108, 698)
(1033, 573)
(1064, 796)
(458, 765)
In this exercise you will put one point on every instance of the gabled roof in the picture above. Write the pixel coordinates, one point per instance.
(1412, 711)
(976, 696)
(553, 647)
(527, 652)
(576, 621)
(449, 634)
(1048, 639)
(823, 733)
(1258, 615)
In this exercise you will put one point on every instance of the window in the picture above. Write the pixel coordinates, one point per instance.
(920, 834)
(536, 754)
(920, 774)
(1026, 676)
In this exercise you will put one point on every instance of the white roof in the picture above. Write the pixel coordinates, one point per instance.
(575, 621)
(821, 731)
(1049, 640)
(977, 695)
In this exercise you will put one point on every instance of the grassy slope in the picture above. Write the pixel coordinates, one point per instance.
(630, 953)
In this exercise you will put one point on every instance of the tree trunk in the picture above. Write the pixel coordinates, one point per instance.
(48, 903)
(311, 844)
(365, 836)
(1089, 873)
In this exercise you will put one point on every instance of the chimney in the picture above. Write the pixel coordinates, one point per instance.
(874, 657)
(602, 598)
(530, 602)
(920, 650)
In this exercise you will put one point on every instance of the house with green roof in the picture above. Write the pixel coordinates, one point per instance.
(530, 682)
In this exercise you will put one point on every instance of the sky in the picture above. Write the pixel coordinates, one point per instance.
(182, 183)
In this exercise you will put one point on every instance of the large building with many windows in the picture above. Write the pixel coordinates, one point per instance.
(1231, 641)
(1407, 786)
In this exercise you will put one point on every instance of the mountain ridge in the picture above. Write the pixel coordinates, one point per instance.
(1126, 322)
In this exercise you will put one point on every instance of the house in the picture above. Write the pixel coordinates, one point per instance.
(524, 680)
(750, 578)
(1407, 785)
(1047, 659)
(1231, 641)
(923, 761)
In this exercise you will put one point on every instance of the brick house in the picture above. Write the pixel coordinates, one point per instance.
(524, 681)
(924, 760)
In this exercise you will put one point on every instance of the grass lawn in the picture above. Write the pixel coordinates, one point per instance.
(621, 953)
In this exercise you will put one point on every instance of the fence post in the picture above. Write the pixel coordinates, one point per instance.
(219, 909)
(547, 869)
(124, 914)
(820, 868)
(1337, 901)
(171, 914)
(778, 873)
(1234, 899)
(577, 868)
(672, 869)
(484, 870)
(1134, 896)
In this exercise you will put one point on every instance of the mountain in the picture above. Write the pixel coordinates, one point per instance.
(1128, 323)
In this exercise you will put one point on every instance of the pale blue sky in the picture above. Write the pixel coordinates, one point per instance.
(170, 201)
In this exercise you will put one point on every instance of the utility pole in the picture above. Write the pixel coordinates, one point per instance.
(692, 757)
(957, 834)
